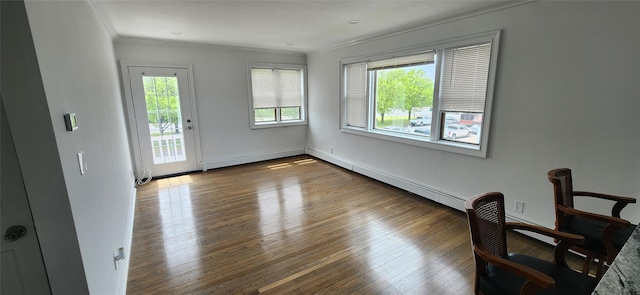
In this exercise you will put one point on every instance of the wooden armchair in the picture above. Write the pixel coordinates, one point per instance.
(499, 272)
(604, 235)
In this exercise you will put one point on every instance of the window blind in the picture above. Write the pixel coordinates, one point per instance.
(276, 88)
(356, 95)
(402, 61)
(464, 78)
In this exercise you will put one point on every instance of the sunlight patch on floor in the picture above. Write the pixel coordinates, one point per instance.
(305, 161)
(287, 165)
(165, 182)
(279, 166)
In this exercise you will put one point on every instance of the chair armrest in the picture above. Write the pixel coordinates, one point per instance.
(536, 277)
(594, 216)
(565, 240)
(604, 196)
(621, 202)
(568, 237)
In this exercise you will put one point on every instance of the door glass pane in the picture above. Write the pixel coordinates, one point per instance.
(165, 120)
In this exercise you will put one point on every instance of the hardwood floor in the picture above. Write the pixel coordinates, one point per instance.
(298, 225)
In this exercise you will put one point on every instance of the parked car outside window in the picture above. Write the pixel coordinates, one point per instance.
(454, 131)
(423, 130)
(420, 121)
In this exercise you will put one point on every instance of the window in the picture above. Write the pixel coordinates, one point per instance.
(277, 95)
(435, 95)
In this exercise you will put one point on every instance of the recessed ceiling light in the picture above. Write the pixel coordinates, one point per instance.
(176, 33)
(353, 21)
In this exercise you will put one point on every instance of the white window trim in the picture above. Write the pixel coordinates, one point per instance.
(432, 142)
(303, 107)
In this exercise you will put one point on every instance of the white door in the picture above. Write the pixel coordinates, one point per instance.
(23, 269)
(164, 120)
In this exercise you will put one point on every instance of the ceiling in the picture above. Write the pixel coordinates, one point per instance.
(292, 25)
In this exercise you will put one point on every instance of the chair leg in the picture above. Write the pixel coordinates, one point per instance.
(586, 265)
(599, 271)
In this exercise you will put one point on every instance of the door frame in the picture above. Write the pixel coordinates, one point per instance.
(131, 117)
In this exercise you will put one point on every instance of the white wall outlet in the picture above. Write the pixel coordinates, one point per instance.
(332, 150)
(518, 206)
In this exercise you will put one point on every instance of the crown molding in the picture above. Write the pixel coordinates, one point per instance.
(104, 17)
(503, 6)
(206, 46)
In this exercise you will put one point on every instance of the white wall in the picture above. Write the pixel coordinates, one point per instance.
(79, 73)
(221, 91)
(566, 95)
(30, 122)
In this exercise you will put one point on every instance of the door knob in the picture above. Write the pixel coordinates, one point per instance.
(14, 233)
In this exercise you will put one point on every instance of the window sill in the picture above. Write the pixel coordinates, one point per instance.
(416, 140)
(263, 125)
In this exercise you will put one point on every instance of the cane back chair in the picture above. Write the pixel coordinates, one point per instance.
(604, 235)
(500, 272)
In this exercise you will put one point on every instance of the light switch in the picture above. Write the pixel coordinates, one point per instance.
(82, 162)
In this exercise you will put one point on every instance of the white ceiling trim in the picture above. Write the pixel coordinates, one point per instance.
(183, 44)
(507, 5)
(104, 17)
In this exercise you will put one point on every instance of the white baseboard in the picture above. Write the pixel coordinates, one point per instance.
(123, 267)
(327, 157)
(455, 202)
(412, 187)
(206, 165)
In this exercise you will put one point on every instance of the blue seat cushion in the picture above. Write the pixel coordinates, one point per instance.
(568, 282)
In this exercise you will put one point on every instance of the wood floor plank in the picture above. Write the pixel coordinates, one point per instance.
(298, 226)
